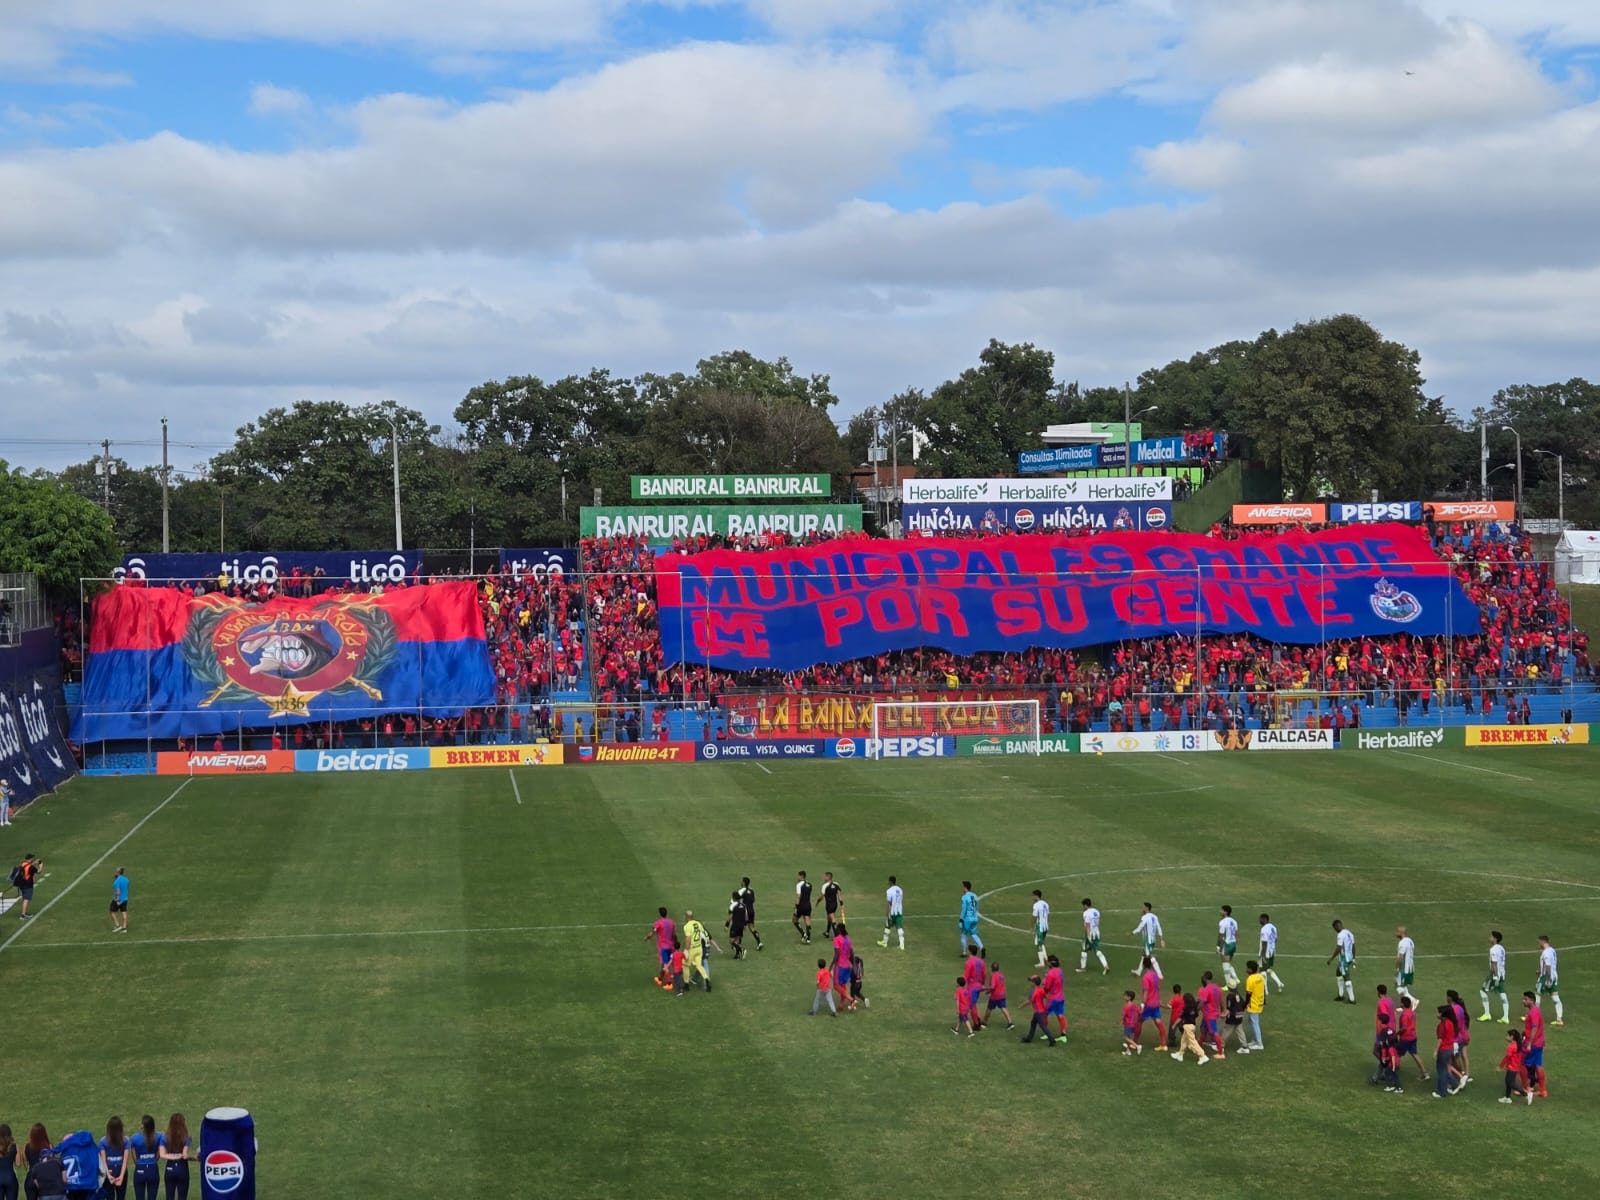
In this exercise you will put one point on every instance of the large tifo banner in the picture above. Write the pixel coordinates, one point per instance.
(362, 566)
(662, 525)
(791, 608)
(165, 664)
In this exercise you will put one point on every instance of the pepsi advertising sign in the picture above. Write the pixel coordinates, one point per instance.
(753, 751)
(1381, 510)
(1050, 517)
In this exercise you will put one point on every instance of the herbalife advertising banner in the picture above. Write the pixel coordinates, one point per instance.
(662, 525)
(732, 487)
(1035, 506)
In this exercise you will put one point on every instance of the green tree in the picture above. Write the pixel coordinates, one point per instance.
(976, 424)
(1326, 404)
(1199, 392)
(47, 529)
(135, 499)
(1559, 419)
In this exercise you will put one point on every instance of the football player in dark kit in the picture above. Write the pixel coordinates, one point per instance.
(802, 909)
(830, 903)
(734, 923)
(747, 897)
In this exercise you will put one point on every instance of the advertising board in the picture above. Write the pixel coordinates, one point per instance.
(660, 525)
(539, 754)
(799, 716)
(731, 487)
(1472, 510)
(1400, 739)
(742, 751)
(396, 758)
(1289, 739)
(996, 746)
(1383, 510)
(1279, 514)
(1527, 735)
(1116, 490)
(268, 566)
(1034, 518)
(225, 762)
(1175, 741)
(631, 752)
(538, 561)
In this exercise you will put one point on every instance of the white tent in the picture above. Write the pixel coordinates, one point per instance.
(1578, 556)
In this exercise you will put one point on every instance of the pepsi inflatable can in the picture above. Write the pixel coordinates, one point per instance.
(228, 1155)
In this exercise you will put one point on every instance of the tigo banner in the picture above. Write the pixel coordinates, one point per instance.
(390, 758)
(996, 746)
(1369, 514)
(1279, 514)
(225, 762)
(1033, 518)
(632, 752)
(1527, 735)
(662, 525)
(787, 609)
(539, 754)
(1177, 741)
(737, 751)
(1489, 511)
(34, 757)
(732, 487)
(538, 562)
(337, 566)
(164, 664)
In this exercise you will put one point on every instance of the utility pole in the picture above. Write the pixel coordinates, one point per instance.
(105, 474)
(166, 522)
(1127, 429)
(1483, 460)
(394, 446)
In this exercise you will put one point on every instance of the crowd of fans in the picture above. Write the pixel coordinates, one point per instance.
(595, 633)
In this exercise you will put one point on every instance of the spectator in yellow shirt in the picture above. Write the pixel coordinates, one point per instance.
(1255, 990)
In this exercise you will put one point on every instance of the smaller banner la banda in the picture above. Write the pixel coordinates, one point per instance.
(966, 711)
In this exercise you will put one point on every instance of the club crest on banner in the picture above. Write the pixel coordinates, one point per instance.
(1391, 603)
(287, 659)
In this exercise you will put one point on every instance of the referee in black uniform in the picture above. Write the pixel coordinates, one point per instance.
(747, 898)
(802, 909)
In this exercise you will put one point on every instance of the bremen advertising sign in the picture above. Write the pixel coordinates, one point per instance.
(665, 524)
(731, 487)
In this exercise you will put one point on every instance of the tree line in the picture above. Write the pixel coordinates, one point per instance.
(1331, 406)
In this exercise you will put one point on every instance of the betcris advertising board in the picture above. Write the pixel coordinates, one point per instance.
(877, 749)
(387, 759)
(359, 566)
(752, 751)
(1378, 511)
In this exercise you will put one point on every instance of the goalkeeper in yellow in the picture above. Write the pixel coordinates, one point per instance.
(697, 945)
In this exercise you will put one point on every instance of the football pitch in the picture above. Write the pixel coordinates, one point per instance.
(440, 982)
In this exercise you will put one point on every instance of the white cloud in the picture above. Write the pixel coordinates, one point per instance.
(270, 100)
(807, 18)
(1199, 165)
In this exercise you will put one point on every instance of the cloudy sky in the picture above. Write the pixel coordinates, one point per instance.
(209, 207)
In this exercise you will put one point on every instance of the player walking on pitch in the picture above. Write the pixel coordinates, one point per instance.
(1149, 928)
(1405, 963)
(665, 933)
(802, 908)
(1041, 926)
(1550, 979)
(1495, 981)
(894, 904)
(832, 902)
(747, 897)
(700, 944)
(1344, 954)
(1091, 939)
(1269, 949)
(1228, 944)
(968, 922)
(119, 901)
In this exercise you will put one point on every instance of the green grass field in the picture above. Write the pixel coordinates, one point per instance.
(422, 986)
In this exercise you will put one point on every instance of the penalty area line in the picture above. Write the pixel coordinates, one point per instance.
(95, 865)
(515, 790)
(1464, 766)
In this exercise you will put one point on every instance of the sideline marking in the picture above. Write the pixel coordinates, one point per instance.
(763, 766)
(1449, 762)
(1210, 950)
(117, 845)
(515, 790)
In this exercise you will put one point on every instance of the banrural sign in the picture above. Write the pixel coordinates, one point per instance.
(665, 524)
(731, 487)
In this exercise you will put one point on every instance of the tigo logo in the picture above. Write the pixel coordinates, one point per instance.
(224, 1171)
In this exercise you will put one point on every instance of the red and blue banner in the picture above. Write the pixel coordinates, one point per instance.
(165, 664)
(789, 609)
